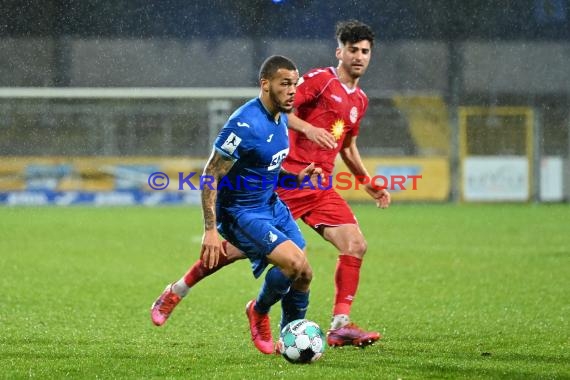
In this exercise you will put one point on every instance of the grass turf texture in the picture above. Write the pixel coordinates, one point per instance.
(478, 291)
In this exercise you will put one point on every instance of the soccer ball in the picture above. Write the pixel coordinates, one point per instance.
(301, 341)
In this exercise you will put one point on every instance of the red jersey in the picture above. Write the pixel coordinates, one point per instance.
(325, 102)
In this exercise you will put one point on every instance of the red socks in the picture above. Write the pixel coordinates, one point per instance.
(198, 271)
(346, 278)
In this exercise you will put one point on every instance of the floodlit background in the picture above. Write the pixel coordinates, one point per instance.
(474, 96)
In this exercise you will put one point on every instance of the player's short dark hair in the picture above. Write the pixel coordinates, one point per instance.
(353, 31)
(270, 66)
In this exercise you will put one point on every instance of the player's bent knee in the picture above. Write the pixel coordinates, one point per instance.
(304, 280)
(362, 248)
(357, 248)
(306, 275)
(297, 268)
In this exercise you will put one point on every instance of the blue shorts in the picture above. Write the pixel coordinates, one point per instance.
(258, 231)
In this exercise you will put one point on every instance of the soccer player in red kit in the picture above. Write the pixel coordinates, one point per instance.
(329, 106)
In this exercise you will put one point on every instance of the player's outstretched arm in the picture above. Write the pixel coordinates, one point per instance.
(351, 157)
(317, 135)
(380, 195)
(216, 167)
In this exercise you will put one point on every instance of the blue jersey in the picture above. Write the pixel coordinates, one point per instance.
(249, 213)
(257, 144)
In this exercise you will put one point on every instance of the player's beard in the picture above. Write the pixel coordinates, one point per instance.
(277, 103)
(354, 74)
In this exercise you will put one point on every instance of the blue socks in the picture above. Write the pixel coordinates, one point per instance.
(294, 306)
(275, 286)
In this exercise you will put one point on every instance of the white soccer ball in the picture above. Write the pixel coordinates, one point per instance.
(301, 341)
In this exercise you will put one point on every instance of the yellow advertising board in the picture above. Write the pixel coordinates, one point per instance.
(407, 178)
(88, 173)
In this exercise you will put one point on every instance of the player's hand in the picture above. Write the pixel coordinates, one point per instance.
(211, 249)
(312, 172)
(321, 137)
(380, 195)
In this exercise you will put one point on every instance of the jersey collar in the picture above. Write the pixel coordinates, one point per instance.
(268, 114)
(346, 88)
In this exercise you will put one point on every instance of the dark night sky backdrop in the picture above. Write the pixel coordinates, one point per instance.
(435, 19)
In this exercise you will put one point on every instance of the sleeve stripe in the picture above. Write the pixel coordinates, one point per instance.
(225, 154)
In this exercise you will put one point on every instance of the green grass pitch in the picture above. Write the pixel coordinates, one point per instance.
(472, 291)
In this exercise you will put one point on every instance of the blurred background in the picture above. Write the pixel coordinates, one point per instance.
(96, 95)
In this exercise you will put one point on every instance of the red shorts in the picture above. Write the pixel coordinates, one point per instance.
(317, 208)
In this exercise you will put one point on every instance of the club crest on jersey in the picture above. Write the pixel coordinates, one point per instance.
(353, 114)
(270, 237)
(231, 143)
(277, 158)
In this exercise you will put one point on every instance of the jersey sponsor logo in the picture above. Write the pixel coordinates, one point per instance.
(337, 129)
(277, 159)
(353, 114)
(231, 143)
(242, 124)
(336, 98)
(269, 138)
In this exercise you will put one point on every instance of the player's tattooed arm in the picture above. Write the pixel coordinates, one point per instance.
(216, 167)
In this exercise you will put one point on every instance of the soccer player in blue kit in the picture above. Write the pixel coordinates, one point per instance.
(242, 206)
